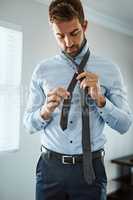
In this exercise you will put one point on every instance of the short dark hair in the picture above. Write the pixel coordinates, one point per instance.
(66, 10)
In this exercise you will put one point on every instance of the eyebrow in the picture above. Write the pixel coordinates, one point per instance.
(76, 29)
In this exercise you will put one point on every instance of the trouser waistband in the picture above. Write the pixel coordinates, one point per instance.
(69, 159)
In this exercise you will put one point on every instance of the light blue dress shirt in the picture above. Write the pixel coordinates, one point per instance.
(58, 72)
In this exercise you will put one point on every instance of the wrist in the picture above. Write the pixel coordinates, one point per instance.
(45, 113)
(101, 101)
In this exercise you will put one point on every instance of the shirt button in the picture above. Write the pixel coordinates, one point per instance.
(107, 122)
(101, 112)
(71, 122)
(71, 141)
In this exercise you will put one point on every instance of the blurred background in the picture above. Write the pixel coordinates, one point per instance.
(25, 39)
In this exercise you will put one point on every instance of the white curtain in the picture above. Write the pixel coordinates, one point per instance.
(10, 80)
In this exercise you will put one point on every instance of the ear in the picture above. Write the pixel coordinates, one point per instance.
(85, 25)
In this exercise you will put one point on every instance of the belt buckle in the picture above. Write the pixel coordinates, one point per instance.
(67, 163)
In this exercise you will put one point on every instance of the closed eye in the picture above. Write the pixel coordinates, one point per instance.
(60, 36)
(76, 32)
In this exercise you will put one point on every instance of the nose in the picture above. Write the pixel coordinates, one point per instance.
(68, 41)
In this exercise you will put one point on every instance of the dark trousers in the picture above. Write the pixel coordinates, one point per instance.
(57, 181)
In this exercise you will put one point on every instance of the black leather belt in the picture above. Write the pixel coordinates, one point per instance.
(69, 159)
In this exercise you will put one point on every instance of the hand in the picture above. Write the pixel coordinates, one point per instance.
(55, 97)
(91, 81)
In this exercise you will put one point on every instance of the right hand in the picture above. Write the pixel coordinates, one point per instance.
(54, 99)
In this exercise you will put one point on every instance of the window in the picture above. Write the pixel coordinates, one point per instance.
(10, 81)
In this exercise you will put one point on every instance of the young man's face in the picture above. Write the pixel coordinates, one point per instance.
(69, 35)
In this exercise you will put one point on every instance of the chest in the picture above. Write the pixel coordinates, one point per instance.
(62, 74)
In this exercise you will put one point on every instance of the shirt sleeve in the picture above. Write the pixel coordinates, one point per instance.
(116, 112)
(32, 120)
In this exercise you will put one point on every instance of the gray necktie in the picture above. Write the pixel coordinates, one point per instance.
(86, 142)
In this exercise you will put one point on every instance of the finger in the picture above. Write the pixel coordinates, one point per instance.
(99, 88)
(52, 105)
(54, 98)
(94, 93)
(86, 83)
(89, 92)
(83, 84)
(81, 75)
(86, 74)
(62, 92)
(52, 92)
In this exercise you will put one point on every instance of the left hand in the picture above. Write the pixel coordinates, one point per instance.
(91, 81)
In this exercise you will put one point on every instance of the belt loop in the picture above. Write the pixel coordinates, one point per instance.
(49, 154)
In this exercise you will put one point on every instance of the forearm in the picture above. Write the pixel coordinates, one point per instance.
(117, 118)
(33, 121)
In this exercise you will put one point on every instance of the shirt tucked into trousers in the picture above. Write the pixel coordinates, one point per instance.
(55, 180)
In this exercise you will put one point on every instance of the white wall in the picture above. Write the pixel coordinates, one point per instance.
(119, 48)
(17, 170)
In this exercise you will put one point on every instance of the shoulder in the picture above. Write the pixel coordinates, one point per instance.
(104, 63)
(45, 66)
(100, 60)
(108, 71)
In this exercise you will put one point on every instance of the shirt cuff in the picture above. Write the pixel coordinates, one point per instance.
(107, 109)
(41, 123)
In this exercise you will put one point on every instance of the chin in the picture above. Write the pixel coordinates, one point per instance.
(74, 53)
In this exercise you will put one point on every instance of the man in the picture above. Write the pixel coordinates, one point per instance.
(60, 170)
